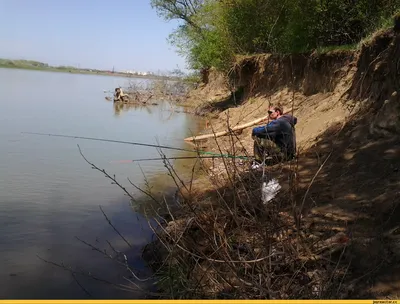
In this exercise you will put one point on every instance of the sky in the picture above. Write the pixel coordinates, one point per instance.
(100, 34)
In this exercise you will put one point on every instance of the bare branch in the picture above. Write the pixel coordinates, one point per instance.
(115, 229)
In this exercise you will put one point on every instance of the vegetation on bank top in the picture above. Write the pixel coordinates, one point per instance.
(212, 32)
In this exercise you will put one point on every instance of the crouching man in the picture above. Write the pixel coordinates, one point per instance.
(119, 95)
(275, 142)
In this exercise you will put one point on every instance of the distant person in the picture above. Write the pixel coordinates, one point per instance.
(119, 95)
(275, 142)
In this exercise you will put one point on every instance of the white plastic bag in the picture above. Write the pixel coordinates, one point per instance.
(269, 190)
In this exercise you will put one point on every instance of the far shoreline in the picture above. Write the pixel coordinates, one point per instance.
(83, 72)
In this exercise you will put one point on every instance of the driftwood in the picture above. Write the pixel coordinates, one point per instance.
(226, 132)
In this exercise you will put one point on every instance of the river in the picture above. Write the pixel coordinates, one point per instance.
(49, 196)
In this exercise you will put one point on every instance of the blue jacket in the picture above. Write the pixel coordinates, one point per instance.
(281, 131)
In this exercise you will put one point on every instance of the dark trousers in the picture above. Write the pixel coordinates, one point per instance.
(266, 151)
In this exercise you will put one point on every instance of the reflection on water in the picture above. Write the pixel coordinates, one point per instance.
(165, 110)
(120, 107)
(49, 195)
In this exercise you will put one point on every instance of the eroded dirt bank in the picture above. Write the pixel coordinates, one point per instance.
(333, 231)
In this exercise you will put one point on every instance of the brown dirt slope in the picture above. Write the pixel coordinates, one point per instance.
(348, 171)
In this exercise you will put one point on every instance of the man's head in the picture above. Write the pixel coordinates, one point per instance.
(275, 112)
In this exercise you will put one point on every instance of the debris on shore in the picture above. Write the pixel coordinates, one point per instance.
(150, 93)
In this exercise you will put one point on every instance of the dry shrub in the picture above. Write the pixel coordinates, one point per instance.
(151, 91)
(230, 244)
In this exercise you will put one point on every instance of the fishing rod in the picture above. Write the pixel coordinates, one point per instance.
(111, 140)
(179, 157)
(121, 142)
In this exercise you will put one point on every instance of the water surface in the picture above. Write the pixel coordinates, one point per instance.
(49, 195)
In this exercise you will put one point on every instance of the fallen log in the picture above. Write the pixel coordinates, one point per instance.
(226, 132)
